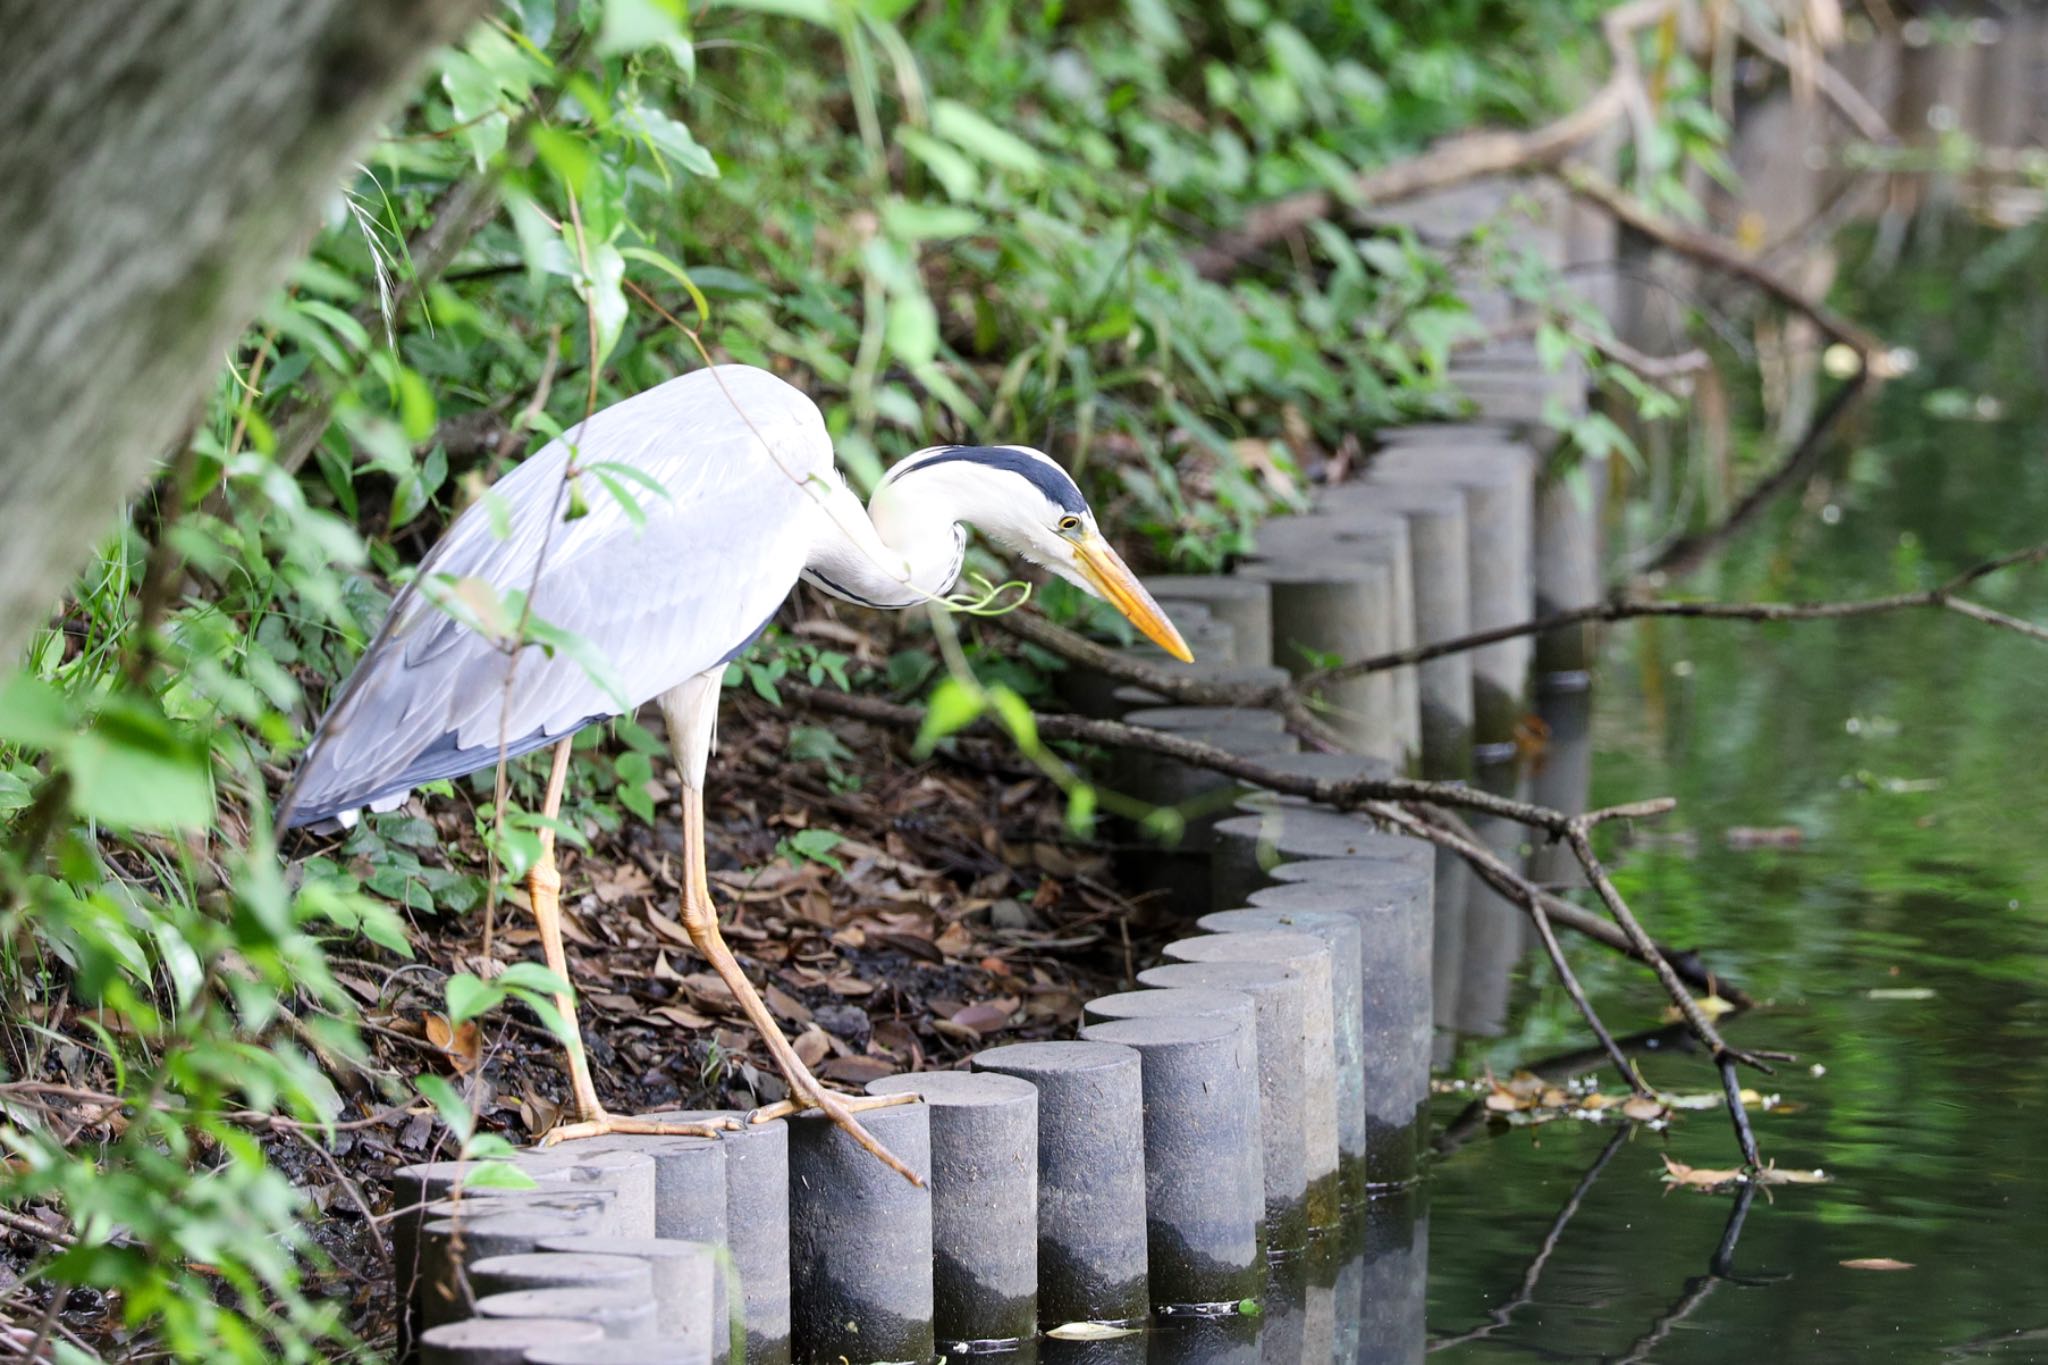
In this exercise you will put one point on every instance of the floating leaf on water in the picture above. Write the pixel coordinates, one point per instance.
(1698, 1177)
(1779, 1175)
(1642, 1109)
(1090, 1331)
(1876, 1263)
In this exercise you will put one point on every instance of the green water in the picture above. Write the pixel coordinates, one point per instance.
(1908, 751)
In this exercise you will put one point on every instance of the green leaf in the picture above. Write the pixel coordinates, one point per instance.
(33, 713)
(531, 976)
(604, 288)
(673, 141)
(594, 663)
(954, 172)
(631, 25)
(675, 272)
(1015, 714)
(912, 330)
(1081, 804)
(971, 131)
(470, 996)
(134, 770)
(448, 1102)
(953, 707)
(815, 844)
(817, 12)
(496, 1175)
(910, 222)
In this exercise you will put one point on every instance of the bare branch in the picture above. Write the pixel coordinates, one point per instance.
(1725, 257)
(1942, 597)
(1111, 734)
(1455, 161)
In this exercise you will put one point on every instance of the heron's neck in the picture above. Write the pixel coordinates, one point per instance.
(891, 555)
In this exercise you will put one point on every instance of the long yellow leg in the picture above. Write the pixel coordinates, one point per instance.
(700, 919)
(544, 890)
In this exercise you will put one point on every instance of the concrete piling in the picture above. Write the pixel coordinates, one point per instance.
(1494, 935)
(1202, 796)
(757, 1224)
(621, 1353)
(480, 1341)
(860, 1240)
(1279, 1006)
(1310, 958)
(1341, 933)
(1240, 603)
(1498, 484)
(1360, 532)
(415, 1190)
(689, 1181)
(1090, 692)
(1091, 1177)
(625, 1317)
(1131, 696)
(1204, 1186)
(1247, 848)
(1392, 907)
(1283, 1087)
(1343, 610)
(629, 1174)
(684, 1280)
(1439, 552)
(984, 1138)
(448, 1246)
(1393, 1288)
(561, 1270)
(690, 1197)
(1567, 564)
(1562, 777)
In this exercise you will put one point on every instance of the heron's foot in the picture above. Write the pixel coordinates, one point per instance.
(603, 1124)
(806, 1093)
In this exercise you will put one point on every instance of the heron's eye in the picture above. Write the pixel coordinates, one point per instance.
(1070, 523)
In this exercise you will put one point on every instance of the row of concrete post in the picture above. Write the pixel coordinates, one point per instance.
(1234, 1115)
(1244, 1128)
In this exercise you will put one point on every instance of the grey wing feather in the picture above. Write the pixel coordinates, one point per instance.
(658, 604)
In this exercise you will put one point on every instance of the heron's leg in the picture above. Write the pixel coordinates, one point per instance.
(700, 918)
(544, 890)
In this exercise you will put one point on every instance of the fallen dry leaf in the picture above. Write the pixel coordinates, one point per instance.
(987, 1016)
(1703, 1178)
(682, 1016)
(462, 1044)
(812, 1046)
(786, 1006)
(1642, 1109)
(857, 1070)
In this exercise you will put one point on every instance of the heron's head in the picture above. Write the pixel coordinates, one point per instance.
(1023, 501)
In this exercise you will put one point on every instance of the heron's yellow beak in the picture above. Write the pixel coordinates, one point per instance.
(1110, 576)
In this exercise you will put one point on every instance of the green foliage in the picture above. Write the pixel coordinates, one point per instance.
(973, 225)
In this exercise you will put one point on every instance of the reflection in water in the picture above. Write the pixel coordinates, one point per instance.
(1494, 925)
(1898, 933)
(1561, 777)
(1359, 1295)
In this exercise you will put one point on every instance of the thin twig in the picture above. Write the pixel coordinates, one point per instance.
(42, 1231)
(1519, 889)
(1942, 596)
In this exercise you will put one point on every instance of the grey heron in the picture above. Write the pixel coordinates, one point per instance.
(664, 588)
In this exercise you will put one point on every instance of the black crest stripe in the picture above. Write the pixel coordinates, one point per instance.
(1047, 477)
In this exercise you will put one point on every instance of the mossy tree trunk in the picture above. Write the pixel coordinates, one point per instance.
(161, 165)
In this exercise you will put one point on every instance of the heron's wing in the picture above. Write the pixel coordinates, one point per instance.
(649, 605)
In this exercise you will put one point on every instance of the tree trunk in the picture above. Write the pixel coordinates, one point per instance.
(163, 163)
